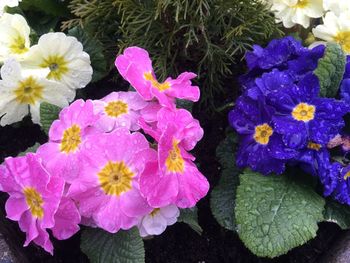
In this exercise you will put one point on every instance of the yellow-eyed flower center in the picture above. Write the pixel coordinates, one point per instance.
(115, 178)
(303, 112)
(34, 201)
(347, 175)
(18, 45)
(154, 212)
(29, 91)
(116, 108)
(263, 133)
(314, 146)
(159, 86)
(71, 139)
(58, 66)
(302, 3)
(174, 162)
(343, 39)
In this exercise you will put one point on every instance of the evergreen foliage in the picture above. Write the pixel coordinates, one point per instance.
(206, 36)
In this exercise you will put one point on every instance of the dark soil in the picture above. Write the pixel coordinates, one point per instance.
(179, 243)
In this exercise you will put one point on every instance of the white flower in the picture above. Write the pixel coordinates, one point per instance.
(337, 6)
(22, 91)
(156, 222)
(292, 12)
(9, 3)
(14, 37)
(65, 58)
(335, 29)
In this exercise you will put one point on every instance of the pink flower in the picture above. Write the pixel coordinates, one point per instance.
(34, 197)
(119, 109)
(63, 155)
(174, 179)
(136, 67)
(108, 189)
(188, 133)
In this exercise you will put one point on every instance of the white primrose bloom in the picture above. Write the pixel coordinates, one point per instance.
(22, 92)
(14, 37)
(9, 3)
(337, 6)
(65, 58)
(335, 29)
(156, 222)
(291, 12)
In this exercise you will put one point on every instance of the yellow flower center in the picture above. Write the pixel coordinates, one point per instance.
(347, 175)
(58, 66)
(34, 201)
(263, 133)
(303, 112)
(116, 108)
(159, 86)
(314, 146)
(343, 39)
(18, 45)
(301, 4)
(174, 162)
(154, 212)
(115, 178)
(28, 91)
(71, 139)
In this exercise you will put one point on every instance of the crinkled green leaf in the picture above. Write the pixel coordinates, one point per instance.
(275, 214)
(337, 213)
(222, 201)
(189, 216)
(52, 7)
(122, 247)
(30, 149)
(184, 104)
(94, 48)
(330, 70)
(48, 113)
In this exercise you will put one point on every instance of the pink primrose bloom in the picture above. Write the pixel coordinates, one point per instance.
(135, 66)
(174, 179)
(63, 155)
(119, 109)
(107, 190)
(34, 197)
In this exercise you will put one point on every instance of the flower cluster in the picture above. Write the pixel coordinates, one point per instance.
(281, 117)
(335, 13)
(99, 169)
(49, 71)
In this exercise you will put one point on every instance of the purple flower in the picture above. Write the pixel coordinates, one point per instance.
(345, 85)
(261, 148)
(342, 190)
(302, 116)
(285, 54)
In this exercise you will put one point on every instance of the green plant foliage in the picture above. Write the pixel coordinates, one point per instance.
(330, 70)
(122, 247)
(337, 213)
(48, 113)
(51, 7)
(189, 216)
(275, 214)
(204, 36)
(222, 201)
(94, 48)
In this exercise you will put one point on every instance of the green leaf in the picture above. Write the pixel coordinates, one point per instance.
(222, 201)
(30, 149)
(48, 113)
(51, 7)
(337, 213)
(122, 247)
(184, 104)
(189, 216)
(274, 214)
(95, 49)
(330, 70)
